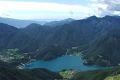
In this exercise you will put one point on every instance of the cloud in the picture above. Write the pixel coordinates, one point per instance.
(28, 10)
(106, 7)
(51, 10)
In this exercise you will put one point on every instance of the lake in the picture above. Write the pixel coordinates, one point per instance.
(64, 62)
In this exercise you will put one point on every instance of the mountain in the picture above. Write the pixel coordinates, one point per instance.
(76, 33)
(105, 49)
(6, 34)
(59, 23)
(94, 36)
(19, 23)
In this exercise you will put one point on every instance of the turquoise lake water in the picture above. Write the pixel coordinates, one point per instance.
(64, 62)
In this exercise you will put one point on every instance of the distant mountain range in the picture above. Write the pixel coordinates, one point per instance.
(23, 23)
(19, 23)
(59, 23)
(98, 38)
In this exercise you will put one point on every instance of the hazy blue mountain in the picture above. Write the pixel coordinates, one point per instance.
(19, 23)
(59, 23)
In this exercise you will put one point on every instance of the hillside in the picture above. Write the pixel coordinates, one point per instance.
(105, 49)
(116, 77)
(36, 74)
(105, 74)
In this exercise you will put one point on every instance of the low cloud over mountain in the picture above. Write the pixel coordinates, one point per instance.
(107, 7)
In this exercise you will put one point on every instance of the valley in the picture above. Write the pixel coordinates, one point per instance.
(86, 49)
(91, 36)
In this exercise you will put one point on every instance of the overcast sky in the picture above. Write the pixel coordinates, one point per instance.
(58, 9)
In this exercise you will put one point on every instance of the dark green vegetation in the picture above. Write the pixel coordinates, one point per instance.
(97, 38)
(36, 74)
(96, 75)
(49, 53)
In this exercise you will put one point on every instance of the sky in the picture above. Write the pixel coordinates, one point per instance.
(58, 9)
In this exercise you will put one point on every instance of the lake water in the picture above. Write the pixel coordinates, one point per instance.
(64, 62)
